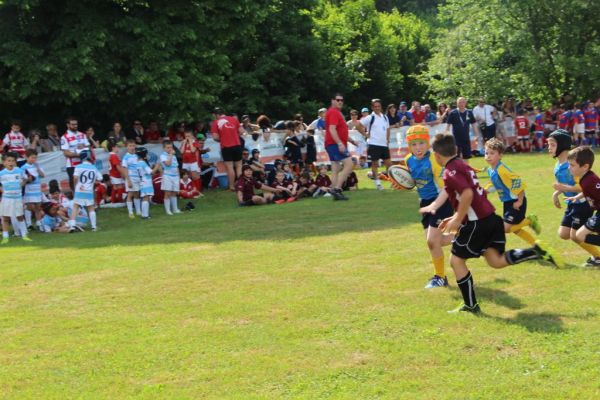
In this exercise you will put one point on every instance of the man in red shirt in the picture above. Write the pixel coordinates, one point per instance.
(336, 144)
(479, 231)
(227, 130)
(417, 113)
(153, 134)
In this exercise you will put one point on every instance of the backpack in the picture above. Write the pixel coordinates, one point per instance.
(373, 120)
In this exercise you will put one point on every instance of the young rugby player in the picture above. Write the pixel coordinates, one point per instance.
(12, 179)
(479, 230)
(84, 178)
(578, 210)
(511, 190)
(245, 189)
(132, 178)
(170, 178)
(33, 188)
(427, 174)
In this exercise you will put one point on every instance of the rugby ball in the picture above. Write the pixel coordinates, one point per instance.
(401, 176)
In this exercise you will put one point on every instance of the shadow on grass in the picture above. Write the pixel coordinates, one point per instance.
(544, 322)
(217, 219)
(499, 297)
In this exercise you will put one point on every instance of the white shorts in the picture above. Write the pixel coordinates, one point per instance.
(32, 198)
(191, 167)
(579, 128)
(147, 191)
(135, 186)
(11, 207)
(550, 127)
(116, 181)
(169, 183)
(84, 202)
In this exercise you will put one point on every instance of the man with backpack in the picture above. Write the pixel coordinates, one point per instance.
(376, 129)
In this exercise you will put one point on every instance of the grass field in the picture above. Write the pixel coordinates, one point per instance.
(314, 299)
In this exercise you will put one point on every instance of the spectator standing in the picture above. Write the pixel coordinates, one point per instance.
(226, 130)
(486, 116)
(52, 141)
(72, 143)
(462, 120)
(376, 129)
(136, 132)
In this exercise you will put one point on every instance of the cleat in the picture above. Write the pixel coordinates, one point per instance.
(547, 254)
(131, 216)
(535, 223)
(338, 195)
(327, 195)
(380, 187)
(177, 211)
(464, 308)
(4, 240)
(437, 281)
(291, 200)
(26, 238)
(168, 213)
(72, 230)
(592, 262)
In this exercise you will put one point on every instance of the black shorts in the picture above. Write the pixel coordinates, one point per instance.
(376, 153)
(233, 153)
(464, 148)
(512, 216)
(576, 215)
(247, 203)
(434, 220)
(593, 223)
(488, 132)
(475, 237)
(590, 133)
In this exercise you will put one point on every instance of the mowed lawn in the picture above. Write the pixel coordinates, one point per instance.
(315, 299)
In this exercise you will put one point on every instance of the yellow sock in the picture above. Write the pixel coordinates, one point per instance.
(590, 248)
(521, 225)
(438, 265)
(526, 236)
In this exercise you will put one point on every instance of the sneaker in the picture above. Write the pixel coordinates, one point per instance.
(317, 192)
(26, 238)
(464, 308)
(291, 200)
(379, 186)
(177, 211)
(535, 223)
(148, 217)
(168, 213)
(327, 195)
(548, 254)
(437, 281)
(96, 229)
(592, 262)
(338, 195)
(4, 240)
(131, 216)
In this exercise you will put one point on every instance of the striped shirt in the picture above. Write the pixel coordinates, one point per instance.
(169, 170)
(33, 188)
(16, 142)
(87, 175)
(11, 181)
(131, 162)
(74, 142)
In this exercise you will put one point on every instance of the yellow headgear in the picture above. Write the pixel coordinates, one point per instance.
(417, 132)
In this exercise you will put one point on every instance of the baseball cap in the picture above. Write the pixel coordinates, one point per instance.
(322, 110)
(245, 117)
(402, 103)
(364, 109)
(218, 111)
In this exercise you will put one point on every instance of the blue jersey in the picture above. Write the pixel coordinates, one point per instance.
(33, 188)
(87, 174)
(564, 176)
(427, 174)
(146, 187)
(508, 184)
(49, 223)
(11, 183)
(130, 162)
(169, 170)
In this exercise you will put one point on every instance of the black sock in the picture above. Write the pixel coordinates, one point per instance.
(516, 256)
(592, 239)
(467, 289)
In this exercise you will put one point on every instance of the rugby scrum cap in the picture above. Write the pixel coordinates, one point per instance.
(563, 140)
(364, 109)
(141, 152)
(85, 155)
(417, 132)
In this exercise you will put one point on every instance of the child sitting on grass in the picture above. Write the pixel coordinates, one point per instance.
(306, 185)
(287, 188)
(53, 222)
(245, 189)
(186, 186)
(323, 182)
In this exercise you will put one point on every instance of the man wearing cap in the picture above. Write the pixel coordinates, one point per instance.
(406, 117)
(319, 123)
(364, 112)
(336, 144)
(462, 120)
(376, 129)
(227, 130)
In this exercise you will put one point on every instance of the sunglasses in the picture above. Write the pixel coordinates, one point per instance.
(339, 100)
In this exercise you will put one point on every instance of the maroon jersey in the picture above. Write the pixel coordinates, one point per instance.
(308, 183)
(590, 186)
(286, 183)
(458, 176)
(247, 186)
(351, 181)
(322, 181)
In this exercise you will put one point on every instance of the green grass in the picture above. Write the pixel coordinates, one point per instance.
(314, 299)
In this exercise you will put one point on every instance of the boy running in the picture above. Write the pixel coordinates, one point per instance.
(511, 190)
(427, 174)
(479, 230)
(578, 210)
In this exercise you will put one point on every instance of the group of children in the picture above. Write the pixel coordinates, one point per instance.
(282, 185)
(455, 208)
